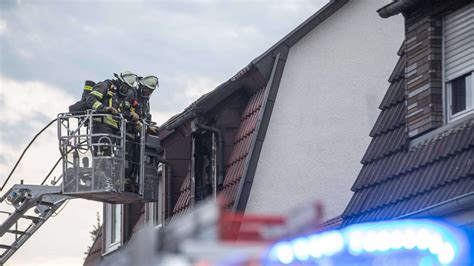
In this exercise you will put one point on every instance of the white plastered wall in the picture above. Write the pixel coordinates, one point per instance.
(333, 81)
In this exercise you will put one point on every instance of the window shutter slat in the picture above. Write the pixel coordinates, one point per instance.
(459, 43)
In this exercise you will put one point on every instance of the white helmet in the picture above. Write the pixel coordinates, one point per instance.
(147, 84)
(126, 78)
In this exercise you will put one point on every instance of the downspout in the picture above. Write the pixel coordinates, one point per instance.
(220, 151)
(169, 188)
(192, 174)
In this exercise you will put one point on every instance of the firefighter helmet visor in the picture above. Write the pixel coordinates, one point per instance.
(149, 81)
(128, 78)
(147, 85)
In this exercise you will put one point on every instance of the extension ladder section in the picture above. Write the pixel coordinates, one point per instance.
(44, 200)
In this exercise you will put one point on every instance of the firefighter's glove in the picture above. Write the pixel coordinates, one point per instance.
(134, 117)
(111, 110)
(139, 126)
(152, 130)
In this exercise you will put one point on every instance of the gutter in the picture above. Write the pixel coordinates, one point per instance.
(396, 7)
(459, 203)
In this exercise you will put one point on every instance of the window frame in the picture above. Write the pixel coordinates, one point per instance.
(110, 246)
(469, 99)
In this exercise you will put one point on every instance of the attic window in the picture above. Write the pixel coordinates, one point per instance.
(458, 58)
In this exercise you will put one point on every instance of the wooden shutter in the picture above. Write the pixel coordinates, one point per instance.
(459, 42)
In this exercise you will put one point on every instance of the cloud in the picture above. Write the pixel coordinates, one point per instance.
(23, 101)
(161, 117)
(3, 26)
(48, 42)
(25, 107)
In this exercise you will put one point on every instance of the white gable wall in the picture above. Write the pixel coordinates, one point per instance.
(333, 81)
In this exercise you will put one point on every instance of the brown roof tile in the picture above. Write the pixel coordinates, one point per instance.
(95, 252)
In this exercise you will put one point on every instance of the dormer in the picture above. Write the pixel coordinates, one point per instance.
(439, 49)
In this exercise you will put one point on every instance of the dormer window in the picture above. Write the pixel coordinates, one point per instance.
(458, 63)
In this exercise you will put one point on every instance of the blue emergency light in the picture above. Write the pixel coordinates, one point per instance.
(431, 243)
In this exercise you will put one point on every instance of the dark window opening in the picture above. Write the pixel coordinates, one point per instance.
(203, 165)
(458, 94)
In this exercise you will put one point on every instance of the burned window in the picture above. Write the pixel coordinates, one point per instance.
(203, 164)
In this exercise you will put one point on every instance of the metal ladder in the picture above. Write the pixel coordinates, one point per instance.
(44, 199)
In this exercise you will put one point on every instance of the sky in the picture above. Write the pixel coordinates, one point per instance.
(48, 48)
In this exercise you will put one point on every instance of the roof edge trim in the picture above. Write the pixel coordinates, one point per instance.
(263, 121)
(443, 208)
(396, 7)
(304, 28)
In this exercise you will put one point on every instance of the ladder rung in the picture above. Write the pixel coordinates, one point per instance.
(33, 218)
(16, 232)
(9, 213)
(49, 204)
(5, 246)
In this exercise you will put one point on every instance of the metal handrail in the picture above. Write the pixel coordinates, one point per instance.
(74, 136)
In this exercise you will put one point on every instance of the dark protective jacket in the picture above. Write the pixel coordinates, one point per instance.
(101, 97)
(143, 109)
(80, 106)
(126, 103)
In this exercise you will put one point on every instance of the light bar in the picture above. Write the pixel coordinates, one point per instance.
(434, 242)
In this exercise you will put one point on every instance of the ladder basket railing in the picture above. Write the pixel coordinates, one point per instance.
(105, 153)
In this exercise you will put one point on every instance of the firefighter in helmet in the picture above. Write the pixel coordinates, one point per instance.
(106, 97)
(146, 86)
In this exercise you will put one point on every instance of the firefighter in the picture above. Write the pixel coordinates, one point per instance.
(146, 85)
(126, 95)
(104, 98)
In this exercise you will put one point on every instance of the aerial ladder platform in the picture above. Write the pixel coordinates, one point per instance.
(110, 168)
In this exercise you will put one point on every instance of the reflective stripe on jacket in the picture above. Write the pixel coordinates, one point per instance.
(101, 97)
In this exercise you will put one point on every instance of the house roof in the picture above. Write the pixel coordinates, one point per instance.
(95, 252)
(399, 175)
